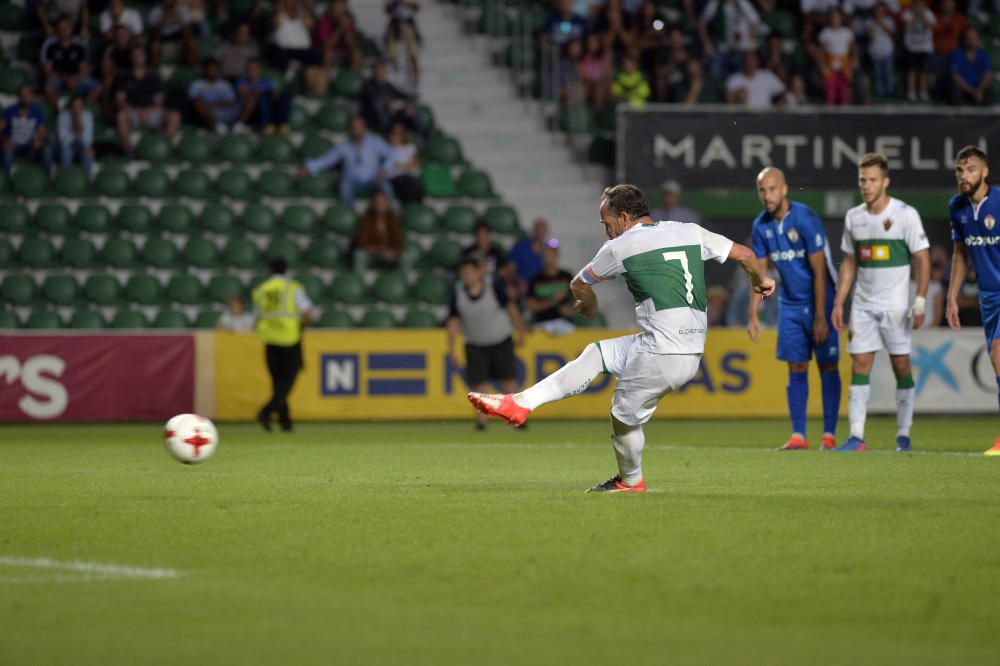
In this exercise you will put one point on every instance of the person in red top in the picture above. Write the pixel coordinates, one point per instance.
(948, 30)
(336, 37)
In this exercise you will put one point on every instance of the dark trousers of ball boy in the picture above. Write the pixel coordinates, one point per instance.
(284, 364)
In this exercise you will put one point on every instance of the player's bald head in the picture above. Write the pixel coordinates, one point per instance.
(772, 190)
(769, 173)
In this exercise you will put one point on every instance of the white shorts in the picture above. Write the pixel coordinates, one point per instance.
(870, 331)
(643, 378)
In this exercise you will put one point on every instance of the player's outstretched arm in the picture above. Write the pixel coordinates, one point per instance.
(759, 281)
(586, 299)
(848, 269)
(959, 266)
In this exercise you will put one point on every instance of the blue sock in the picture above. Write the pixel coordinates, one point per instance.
(831, 399)
(798, 397)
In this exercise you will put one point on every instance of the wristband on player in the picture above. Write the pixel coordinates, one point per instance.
(918, 307)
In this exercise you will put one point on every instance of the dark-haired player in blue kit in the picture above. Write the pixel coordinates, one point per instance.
(791, 236)
(974, 213)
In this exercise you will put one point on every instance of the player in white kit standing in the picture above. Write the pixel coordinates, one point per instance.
(881, 237)
(663, 266)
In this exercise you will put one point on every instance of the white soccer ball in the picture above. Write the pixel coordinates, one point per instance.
(191, 438)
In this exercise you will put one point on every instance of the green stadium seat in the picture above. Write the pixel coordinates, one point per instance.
(86, 319)
(341, 220)
(195, 149)
(8, 255)
(421, 219)
(222, 287)
(13, 18)
(319, 186)
(460, 219)
(30, 181)
(285, 248)
(601, 151)
(348, 83)
(185, 289)
(153, 148)
(438, 182)
(119, 253)
(12, 78)
(207, 319)
(420, 319)
(503, 220)
(314, 145)
(201, 253)
(277, 148)
(102, 290)
(349, 288)
(112, 182)
(333, 117)
(175, 218)
(160, 252)
(236, 148)
(14, 218)
(135, 218)
(313, 285)
(61, 289)
(241, 253)
(218, 218)
(43, 319)
(300, 118)
(8, 320)
(72, 182)
(258, 218)
(37, 253)
(299, 219)
(18, 290)
(171, 319)
(94, 218)
(333, 319)
(476, 184)
(53, 218)
(194, 183)
(129, 319)
(78, 253)
(324, 254)
(153, 183)
(433, 289)
(144, 290)
(235, 183)
(181, 79)
(390, 287)
(576, 118)
(445, 253)
(375, 318)
(444, 150)
(276, 183)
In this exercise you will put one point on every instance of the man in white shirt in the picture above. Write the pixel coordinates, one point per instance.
(755, 87)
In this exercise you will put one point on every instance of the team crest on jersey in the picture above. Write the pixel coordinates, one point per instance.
(793, 235)
(887, 225)
(989, 222)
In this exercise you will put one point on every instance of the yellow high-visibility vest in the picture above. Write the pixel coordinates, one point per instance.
(278, 318)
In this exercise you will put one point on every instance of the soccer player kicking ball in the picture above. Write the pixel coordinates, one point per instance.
(881, 236)
(791, 235)
(973, 214)
(663, 265)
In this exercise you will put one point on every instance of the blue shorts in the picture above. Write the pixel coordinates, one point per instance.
(989, 307)
(795, 335)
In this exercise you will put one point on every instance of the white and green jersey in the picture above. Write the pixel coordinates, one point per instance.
(883, 245)
(664, 268)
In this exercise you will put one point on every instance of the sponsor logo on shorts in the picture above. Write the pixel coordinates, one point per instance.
(874, 252)
(980, 241)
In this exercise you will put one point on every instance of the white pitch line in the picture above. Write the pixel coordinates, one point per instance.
(698, 448)
(92, 570)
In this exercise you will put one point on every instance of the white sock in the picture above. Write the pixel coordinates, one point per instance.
(628, 442)
(569, 380)
(904, 411)
(857, 409)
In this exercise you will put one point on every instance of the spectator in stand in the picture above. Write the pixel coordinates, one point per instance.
(814, 16)
(49, 12)
(485, 251)
(409, 114)
(270, 107)
(115, 63)
(140, 103)
(378, 98)
(170, 23)
(630, 84)
(236, 318)
(563, 25)
(379, 241)
(971, 75)
(402, 27)
(772, 57)
(595, 72)
(918, 45)
(550, 300)
(291, 45)
(614, 30)
(681, 80)
(837, 57)
(404, 169)
(64, 65)
(948, 31)
(526, 255)
(727, 29)
(337, 38)
(117, 14)
(649, 30)
(215, 102)
(23, 132)
(363, 158)
(881, 50)
(755, 87)
(75, 127)
(672, 209)
(236, 53)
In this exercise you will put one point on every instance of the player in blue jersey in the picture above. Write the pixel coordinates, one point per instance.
(973, 214)
(791, 236)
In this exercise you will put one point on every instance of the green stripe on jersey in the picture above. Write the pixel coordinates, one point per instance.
(882, 253)
(673, 277)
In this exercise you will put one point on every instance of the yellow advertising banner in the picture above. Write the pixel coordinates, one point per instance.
(406, 374)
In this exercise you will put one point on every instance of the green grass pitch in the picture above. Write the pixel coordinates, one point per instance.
(430, 543)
